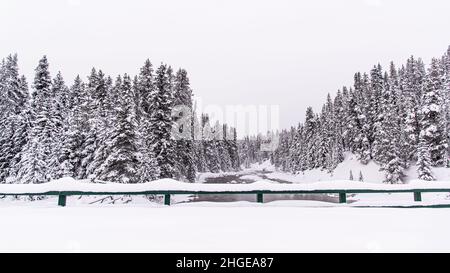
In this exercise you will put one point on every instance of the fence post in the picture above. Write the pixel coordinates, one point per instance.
(61, 200)
(259, 198)
(417, 196)
(342, 197)
(167, 199)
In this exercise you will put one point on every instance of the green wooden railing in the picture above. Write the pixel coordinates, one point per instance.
(62, 195)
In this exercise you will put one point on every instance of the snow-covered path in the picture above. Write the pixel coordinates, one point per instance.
(277, 226)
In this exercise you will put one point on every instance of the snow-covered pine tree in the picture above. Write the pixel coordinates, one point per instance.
(292, 153)
(366, 119)
(310, 141)
(161, 103)
(35, 159)
(22, 127)
(390, 133)
(338, 124)
(13, 86)
(209, 145)
(59, 110)
(223, 146)
(101, 147)
(432, 129)
(72, 138)
(424, 160)
(90, 128)
(122, 163)
(412, 85)
(13, 100)
(355, 131)
(183, 120)
(199, 151)
(446, 104)
(377, 112)
(233, 150)
(100, 121)
(146, 89)
(322, 138)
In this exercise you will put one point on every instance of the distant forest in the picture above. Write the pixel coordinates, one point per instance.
(396, 117)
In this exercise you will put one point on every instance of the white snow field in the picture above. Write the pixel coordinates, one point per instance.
(282, 226)
(138, 225)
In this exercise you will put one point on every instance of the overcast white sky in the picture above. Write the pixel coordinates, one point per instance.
(288, 53)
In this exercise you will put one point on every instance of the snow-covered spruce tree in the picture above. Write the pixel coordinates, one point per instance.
(412, 84)
(59, 111)
(364, 103)
(199, 151)
(390, 132)
(292, 153)
(13, 86)
(233, 150)
(446, 103)
(338, 124)
(310, 141)
(331, 138)
(22, 127)
(122, 162)
(89, 126)
(161, 103)
(184, 141)
(355, 131)
(210, 145)
(322, 140)
(145, 88)
(245, 152)
(424, 160)
(148, 169)
(72, 138)
(222, 147)
(377, 112)
(99, 122)
(432, 129)
(347, 129)
(13, 103)
(289, 151)
(36, 154)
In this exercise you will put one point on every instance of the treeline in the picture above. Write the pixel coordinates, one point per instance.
(125, 130)
(396, 118)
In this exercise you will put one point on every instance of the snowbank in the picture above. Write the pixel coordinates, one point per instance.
(69, 184)
(370, 173)
(256, 228)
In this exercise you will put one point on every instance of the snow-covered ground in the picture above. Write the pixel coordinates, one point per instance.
(282, 226)
(116, 223)
(370, 172)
